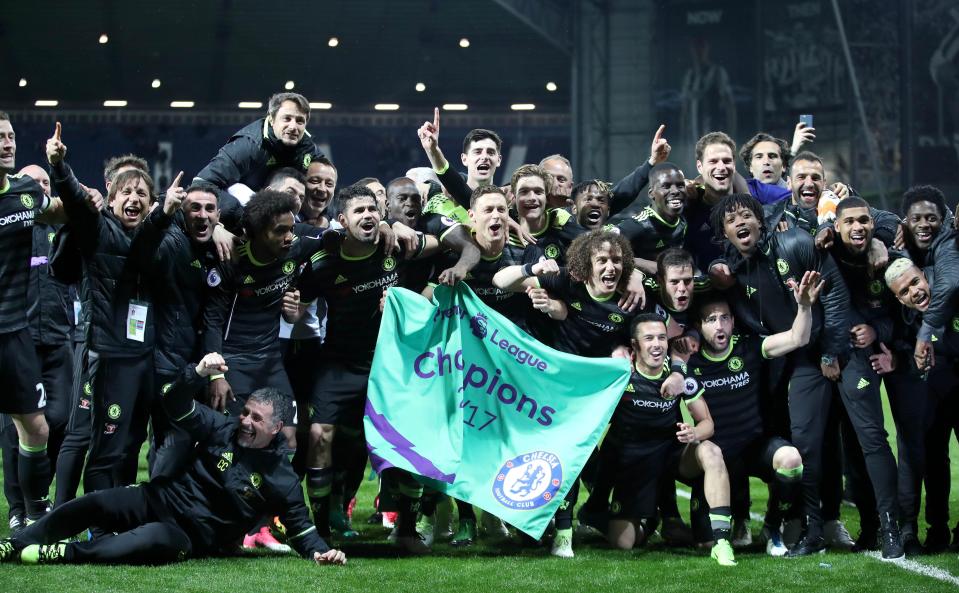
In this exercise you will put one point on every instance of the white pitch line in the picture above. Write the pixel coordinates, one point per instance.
(903, 563)
(917, 567)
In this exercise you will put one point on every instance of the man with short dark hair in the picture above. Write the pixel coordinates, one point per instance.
(590, 206)
(321, 178)
(729, 367)
(648, 439)
(239, 472)
(767, 160)
(482, 155)
(353, 279)
(278, 140)
(660, 225)
(113, 166)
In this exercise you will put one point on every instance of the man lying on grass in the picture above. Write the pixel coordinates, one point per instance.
(239, 474)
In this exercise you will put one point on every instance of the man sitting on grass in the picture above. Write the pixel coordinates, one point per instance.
(240, 473)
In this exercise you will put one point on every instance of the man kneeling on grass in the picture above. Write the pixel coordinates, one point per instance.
(647, 439)
(240, 473)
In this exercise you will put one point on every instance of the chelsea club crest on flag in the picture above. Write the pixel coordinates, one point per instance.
(480, 410)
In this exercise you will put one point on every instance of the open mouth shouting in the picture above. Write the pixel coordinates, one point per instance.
(809, 196)
(657, 354)
(495, 229)
(484, 168)
(744, 236)
(720, 340)
(131, 212)
(609, 280)
(920, 300)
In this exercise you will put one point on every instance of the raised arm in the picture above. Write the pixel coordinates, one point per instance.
(806, 293)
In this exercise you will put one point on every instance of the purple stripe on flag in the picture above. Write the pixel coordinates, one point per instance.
(404, 447)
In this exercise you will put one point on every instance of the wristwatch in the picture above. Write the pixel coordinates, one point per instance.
(827, 359)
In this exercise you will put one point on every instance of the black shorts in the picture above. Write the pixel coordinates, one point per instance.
(637, 470)
(246, 377)
(339, 394)
(23, 391)
(755, 458)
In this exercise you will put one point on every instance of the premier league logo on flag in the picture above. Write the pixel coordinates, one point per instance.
(479, 410)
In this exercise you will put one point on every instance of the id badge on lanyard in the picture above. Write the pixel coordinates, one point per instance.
(137, 320)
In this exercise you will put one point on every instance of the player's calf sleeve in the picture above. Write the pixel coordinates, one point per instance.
(33, 471)
(720, 519)
(465, 510)
(785, 493)
(406, 492)
(318, 484)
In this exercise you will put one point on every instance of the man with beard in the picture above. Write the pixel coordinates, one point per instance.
(762, 263)
(729, 368)
(932, 247)
(660, 225)
(872, 314)
(116, 249)
(238, 473)
(184, 271)
(353, 280)
(278, 140)
(648, 439)
(715, 164)
(591, 204)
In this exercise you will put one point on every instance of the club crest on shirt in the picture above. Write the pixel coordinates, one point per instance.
(213, 278)
(27, 200)
(735, 364)
(389, 263)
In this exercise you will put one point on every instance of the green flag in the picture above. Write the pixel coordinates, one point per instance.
(482, 411)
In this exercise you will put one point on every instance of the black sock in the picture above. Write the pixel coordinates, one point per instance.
(465, 511)
(33, 471)
(318, 484)
(720, 519)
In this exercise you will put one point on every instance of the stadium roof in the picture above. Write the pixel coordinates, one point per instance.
(220, 53)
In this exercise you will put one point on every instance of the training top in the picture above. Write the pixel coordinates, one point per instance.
(228, 488)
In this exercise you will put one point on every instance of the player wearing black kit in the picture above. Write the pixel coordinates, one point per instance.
(185, 270)
(239, 472)
(591, 317)
(661, 224)
(22, 202)
(646, 440)
(242, 318)
(353, 280)
(729, 367)
(554, 229)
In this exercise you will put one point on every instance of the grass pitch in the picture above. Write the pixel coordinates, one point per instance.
(375, 566)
